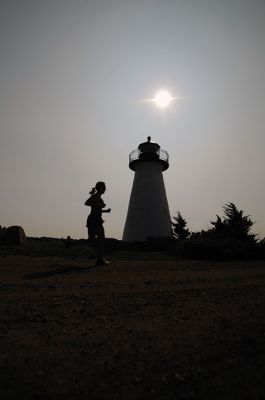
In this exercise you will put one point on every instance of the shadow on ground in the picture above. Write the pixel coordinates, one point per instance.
(59, 270)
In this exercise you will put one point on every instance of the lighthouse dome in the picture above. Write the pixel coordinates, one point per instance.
(149, 146)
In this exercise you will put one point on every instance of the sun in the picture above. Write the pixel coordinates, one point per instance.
(163, 98)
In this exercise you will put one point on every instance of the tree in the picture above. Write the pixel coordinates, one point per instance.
(234, 224)
(180, 231)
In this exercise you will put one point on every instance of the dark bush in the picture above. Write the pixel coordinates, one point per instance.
(205, 245)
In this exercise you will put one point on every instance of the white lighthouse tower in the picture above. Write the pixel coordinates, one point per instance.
(148, 212)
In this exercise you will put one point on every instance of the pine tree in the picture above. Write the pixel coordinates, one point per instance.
(234, 224)
(180, 231)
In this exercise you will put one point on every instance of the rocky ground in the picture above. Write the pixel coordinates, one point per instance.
(133, 330)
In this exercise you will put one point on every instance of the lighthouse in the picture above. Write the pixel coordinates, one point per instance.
(148, 212)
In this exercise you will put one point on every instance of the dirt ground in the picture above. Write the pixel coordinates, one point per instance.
(133, 330)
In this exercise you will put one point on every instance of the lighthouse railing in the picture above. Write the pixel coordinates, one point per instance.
(135, 155)
(163, 155)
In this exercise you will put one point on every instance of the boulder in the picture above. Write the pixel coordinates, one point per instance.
(13, 235)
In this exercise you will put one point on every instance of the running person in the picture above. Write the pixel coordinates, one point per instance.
(94, 220)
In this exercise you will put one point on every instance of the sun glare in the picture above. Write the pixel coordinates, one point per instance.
(163, 98)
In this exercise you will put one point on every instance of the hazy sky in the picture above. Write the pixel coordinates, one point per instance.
(72, 77)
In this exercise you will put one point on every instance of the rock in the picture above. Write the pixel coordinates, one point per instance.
(13, 235)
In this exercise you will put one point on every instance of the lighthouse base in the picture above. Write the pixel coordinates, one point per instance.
(148, 212)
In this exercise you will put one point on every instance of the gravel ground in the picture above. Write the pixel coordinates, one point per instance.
(149, 329)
